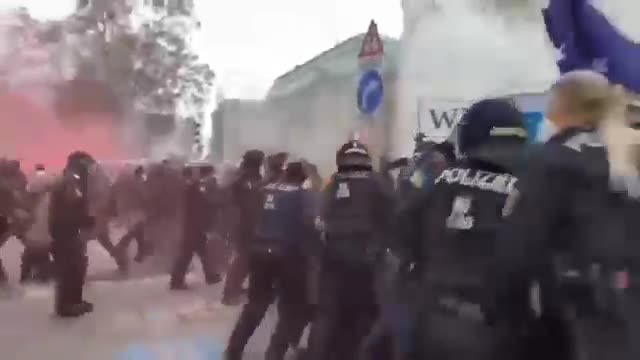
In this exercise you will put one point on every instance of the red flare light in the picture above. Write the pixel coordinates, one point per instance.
(32, 133)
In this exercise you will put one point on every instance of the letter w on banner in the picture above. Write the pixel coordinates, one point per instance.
(585, 39)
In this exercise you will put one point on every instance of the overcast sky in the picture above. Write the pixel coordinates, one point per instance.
(250, 42)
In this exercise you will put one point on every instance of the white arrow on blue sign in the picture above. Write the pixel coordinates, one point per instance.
(370, 92)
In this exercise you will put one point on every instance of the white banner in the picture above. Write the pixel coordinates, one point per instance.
(438, 119)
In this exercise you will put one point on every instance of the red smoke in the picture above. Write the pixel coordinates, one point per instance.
(32, 133)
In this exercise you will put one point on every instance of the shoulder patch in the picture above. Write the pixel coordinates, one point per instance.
(584, 139)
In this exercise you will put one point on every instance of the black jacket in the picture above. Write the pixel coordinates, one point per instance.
(68, 212)
(449, 233)
(565, 218)
(286, 219)
(201, 205)
(246, 195)
(357, 209)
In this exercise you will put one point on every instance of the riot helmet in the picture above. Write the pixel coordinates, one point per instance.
(295, 173)
(79, 164)
(353, 155)
(252, 159)
(490, 121)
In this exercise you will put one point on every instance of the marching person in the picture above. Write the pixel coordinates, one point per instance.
(245, 197)
(68, 217)
(201, 211)
(450, 235)
(357, 212)
(278, 264)
(566, 235)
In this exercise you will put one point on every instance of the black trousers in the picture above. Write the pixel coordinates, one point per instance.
(195, 243)
(70, 263)
(136, 233)
(284, 277)
(36, 264)
(345, 312)
(238, 271)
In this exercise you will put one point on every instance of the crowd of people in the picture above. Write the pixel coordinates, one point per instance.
(492, 248)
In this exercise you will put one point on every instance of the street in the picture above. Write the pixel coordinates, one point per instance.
(135, 319)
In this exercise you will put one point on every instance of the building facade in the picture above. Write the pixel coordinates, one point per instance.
(308, 111)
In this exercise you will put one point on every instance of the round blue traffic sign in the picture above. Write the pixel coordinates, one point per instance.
(370, 92)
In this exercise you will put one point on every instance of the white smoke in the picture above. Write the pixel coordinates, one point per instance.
(308, 125)
(459, 51)
(25, 62)
(622, 13)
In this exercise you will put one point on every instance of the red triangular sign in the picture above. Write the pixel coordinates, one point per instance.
(372, 45)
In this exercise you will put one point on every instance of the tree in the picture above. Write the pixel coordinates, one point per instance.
(168, 76)
(18, 44)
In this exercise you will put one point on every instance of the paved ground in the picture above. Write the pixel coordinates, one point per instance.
(135, 319)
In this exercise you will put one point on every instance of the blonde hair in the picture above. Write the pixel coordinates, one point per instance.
(604, 106)
(588, 94)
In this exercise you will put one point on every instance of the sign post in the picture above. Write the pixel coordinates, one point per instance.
(373, 127)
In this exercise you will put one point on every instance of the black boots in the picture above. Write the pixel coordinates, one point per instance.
(74, 310)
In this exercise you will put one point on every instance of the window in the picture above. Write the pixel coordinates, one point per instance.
(159, 3)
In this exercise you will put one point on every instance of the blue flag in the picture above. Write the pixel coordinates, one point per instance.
(585, 39)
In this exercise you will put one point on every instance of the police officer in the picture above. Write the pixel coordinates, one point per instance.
(200, 213)
(450, 235)
(428, 161)
(274, 167)
(68, 216)
(245, 198)
(278, 260)
(392, 334)
(130, 197)
(565, 235)
(357, 218)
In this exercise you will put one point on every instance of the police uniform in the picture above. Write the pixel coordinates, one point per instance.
(450, 233)
(278, 261)
(129, 197)
(357, 208)
(566, 234)
(245, 194)
(200, 213)
(68, 216)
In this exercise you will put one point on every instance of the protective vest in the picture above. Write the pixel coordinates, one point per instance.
(281, 222)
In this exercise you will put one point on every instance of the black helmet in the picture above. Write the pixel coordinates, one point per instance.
(295, 172)
(489, 120)
(253, 158)
(276, 162)
(353, 155)
(80, 161)
(80, 157)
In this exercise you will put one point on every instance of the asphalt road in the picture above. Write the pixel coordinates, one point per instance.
(136, 318)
